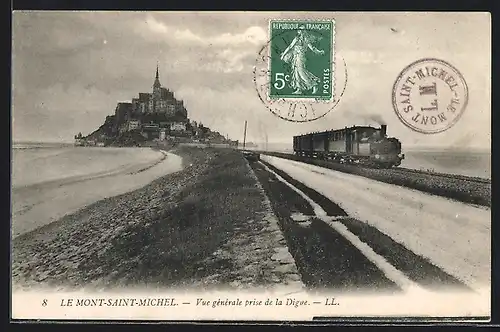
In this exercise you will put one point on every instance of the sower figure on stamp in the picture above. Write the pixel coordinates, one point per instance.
(295, 55)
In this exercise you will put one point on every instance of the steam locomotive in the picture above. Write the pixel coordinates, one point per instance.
(362, 145)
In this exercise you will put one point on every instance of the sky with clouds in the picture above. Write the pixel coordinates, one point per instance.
(69, 69)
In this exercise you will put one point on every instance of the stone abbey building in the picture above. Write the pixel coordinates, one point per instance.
(155, 115)
(162, 100)
(155, 111)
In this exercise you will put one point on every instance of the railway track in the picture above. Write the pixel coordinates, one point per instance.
(365, 258)
(394, 169)
(466, 189)
(445, 175)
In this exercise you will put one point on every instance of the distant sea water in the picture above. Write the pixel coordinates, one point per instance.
(473, 162)
(52, 180)
(39, 145)
(34, 163)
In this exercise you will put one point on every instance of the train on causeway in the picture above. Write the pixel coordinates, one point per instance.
(360, 145)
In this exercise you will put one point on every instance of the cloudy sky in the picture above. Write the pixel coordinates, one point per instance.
(70, 68)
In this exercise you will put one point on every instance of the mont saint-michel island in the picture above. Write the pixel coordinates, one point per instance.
(152, 117)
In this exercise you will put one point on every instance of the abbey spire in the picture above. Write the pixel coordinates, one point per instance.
(157, 79)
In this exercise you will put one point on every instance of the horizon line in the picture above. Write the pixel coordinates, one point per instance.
(20, 141)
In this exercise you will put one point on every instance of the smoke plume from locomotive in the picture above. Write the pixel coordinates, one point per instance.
(377, 118)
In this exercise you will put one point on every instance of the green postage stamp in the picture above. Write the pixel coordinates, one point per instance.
(301, 62)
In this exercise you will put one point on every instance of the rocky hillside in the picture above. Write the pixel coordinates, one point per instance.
(106, 129)
(130, 138)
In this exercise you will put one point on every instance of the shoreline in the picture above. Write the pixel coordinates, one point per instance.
(90, 176)
(42, 203)
(39, 166)
(202, 227)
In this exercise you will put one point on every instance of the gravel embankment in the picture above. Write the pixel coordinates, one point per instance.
(459, 188)
(209, 225)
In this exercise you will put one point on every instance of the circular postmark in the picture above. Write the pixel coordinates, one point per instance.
(429, 96)
(273, 77)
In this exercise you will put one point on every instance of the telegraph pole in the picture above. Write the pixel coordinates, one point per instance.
(245, 135)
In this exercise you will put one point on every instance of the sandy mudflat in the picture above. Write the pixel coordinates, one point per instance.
(39, 204)
(41, 165)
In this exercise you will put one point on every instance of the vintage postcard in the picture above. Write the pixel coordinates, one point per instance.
(232, 166)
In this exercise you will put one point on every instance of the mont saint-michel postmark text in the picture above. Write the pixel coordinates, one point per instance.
(429, 96)
(301, 59)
